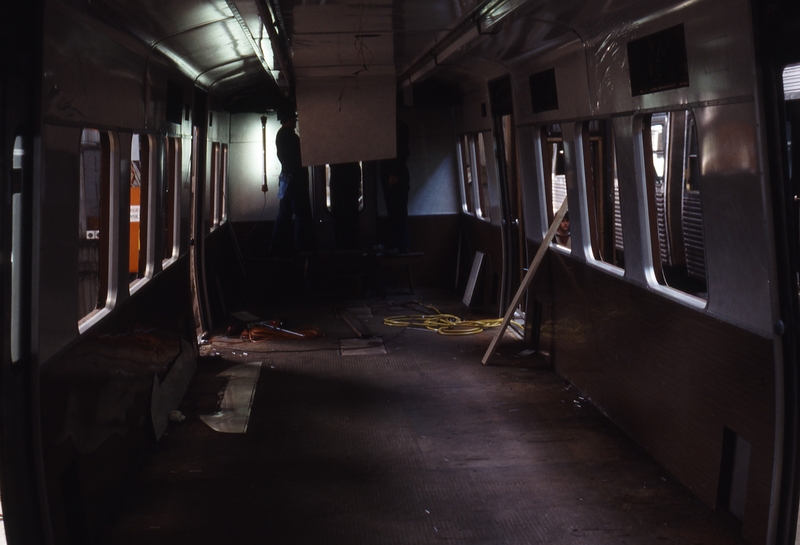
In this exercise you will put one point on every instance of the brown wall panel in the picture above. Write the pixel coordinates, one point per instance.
(96, 399)
(482, 236)
(670, 376)
(437, 238)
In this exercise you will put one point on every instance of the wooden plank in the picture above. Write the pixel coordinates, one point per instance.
(537, 260)
(473, 278)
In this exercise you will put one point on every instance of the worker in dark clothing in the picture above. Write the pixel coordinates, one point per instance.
(396, 183)
(292, 192)
(345, 192)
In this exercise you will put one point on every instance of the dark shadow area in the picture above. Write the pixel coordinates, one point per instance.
(420, 445)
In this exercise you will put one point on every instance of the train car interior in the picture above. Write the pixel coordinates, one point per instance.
(400, 271)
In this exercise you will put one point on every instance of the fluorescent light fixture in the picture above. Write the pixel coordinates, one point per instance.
(258, 49)
(423, 71)
(462, 41)
(466, 32)
(497, 12)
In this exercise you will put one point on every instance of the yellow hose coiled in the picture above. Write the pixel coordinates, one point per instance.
(444, 324)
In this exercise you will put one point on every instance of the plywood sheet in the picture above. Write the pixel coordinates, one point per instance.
(346, 119)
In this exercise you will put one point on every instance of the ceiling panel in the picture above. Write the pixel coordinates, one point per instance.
(414, 26)
(209, 46)
(154, 20)
(348, 38)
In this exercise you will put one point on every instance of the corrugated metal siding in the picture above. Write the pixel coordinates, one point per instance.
(661, 209)
(693, 235)
(791, 82)
(618, 242)
(559, 187)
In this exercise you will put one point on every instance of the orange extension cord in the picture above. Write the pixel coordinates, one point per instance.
(261, 333)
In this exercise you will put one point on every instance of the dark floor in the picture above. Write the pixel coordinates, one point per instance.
(419, 445)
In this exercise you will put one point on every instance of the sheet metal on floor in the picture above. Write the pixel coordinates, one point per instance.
(421, 445)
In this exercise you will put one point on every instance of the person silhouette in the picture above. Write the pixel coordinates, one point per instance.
(292, 192)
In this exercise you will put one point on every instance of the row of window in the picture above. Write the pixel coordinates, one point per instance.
(474, 174)
(360, 187)
(151, 198)
(673, 190)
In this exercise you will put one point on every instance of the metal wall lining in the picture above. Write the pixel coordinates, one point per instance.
(490, 68)
(719, 49)
(529, 153)
(633, 200)
(55, 241)
(721, 66)
(245, 169)
(737, 238)
(82, 67)
(470, 116)
(159, 72)
(572, 85)
(433, 164)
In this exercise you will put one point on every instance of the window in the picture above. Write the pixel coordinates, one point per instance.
(658, 61)
(171, 200)
(602, 193)
(555, 180)
(94, 278)
(693, 238)
(659, 129)
(17, 177)
(467, 187)
(474, 173)
(360, 187)
(139, 179)
(482, 173)
(674, 200)
(223, 200)
(214, 195)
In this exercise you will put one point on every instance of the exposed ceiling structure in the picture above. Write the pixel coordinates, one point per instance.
(342, 62)
(227, 45)
(235, 47)
(377, 36)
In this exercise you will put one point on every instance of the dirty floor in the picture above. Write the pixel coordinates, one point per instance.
(404, 438)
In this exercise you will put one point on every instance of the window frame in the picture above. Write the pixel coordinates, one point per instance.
(482, 173)
(655, 274)
(327, 170)
(214, 189)
(475, 199)
(108, 260)
(601, 158)
(465, 162)
(172, 200)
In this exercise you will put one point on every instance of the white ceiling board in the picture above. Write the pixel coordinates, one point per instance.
(346, 72)
(346, 119)
(344, 50)
(360, 18)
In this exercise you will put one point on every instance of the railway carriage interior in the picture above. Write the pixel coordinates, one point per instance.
(616, 178)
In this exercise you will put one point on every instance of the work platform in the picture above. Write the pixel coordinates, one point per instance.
(404, 438)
